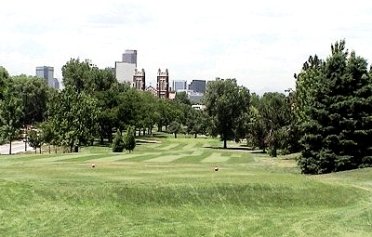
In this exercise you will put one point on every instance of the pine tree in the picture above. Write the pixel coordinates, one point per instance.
(118, 143)
(337, 115)
(129, 139)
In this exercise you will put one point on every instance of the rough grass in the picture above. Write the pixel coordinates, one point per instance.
(178, 194)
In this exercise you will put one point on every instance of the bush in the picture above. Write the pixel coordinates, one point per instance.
(118, 143)
(130, 140)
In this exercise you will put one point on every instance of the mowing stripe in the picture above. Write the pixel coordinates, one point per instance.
(168, 158)
(134, 156)
(64, 157)
(120, 157)
(153, 145)
(83, 158)
(189, 146)
(169, 147)
(215, 157)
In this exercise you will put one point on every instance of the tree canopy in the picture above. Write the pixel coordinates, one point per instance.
(336, 117)
(226, 103)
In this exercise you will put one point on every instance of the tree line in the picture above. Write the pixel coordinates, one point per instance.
(327, 117)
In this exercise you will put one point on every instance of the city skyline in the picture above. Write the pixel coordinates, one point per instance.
(260, 44)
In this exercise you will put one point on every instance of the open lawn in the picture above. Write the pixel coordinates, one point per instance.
(170, 188)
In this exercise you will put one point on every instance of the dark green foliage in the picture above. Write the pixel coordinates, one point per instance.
(34, 93)
(269, 123)
(118, 143)
(275, 112)
(48, 135)
(227, 105)
(73, 116)
(175, 127)
(35, 140)
(182, 98)
(336, 116)
(11, 111)
(4, 77)
(78, 76)
(129, 139)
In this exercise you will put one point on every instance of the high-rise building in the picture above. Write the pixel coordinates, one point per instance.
(139, 79)
(46, 73)
(162, 84)
(124, 72)
(198, 86)
(178, 85)
(130, 56)
(56, 84)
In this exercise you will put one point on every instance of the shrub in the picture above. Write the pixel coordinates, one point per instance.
(118, 143)
(129, 139)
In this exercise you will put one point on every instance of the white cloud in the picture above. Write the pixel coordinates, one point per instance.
(262, 44)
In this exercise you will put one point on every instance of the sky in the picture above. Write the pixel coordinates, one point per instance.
(260, 43)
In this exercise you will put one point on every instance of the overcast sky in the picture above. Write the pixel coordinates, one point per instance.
(260, 43)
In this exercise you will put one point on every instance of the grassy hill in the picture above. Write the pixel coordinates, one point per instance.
(168, 187)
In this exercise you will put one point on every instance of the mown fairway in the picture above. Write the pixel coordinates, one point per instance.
(171, 189)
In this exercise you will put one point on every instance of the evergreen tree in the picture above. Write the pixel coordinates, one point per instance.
(129, 139)
(337, 124)
(118, 142)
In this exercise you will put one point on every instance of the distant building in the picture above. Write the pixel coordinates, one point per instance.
(130, 56)
(195, 97)
(124, 72)
(198, 86)
(56, 84)
(46, 73)
(162, 85)
(178, 85)
(152, 90)
(90, 62)
(139, 79)
(172, 95)
(199, 107)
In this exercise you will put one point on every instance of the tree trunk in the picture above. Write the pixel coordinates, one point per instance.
(10, 146)
(195, 135)
(49, 148)
(274, 152)
(175, 135)
(224, 143)
(39, 149)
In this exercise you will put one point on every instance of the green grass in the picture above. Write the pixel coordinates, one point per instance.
(170, 188)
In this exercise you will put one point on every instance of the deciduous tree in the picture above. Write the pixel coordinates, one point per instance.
(226, 104)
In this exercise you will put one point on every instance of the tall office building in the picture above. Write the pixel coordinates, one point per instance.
(56, 84)
(178, 85)
(124, 72)
(130, 56)
(198, 86)
(46, 73)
